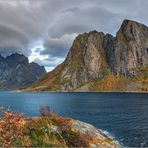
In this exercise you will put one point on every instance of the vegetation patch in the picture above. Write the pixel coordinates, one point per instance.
(110, 83)
(47, 130)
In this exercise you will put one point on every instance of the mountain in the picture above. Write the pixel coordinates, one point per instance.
(17, 72)
(101, 62)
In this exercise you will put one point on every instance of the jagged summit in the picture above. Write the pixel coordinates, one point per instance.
(128, 21)
(95, 55)
(16, 71)
(131, 45)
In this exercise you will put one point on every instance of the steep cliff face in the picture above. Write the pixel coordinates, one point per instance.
(130, 49)
(16, 71)
(87, 60)
(94, 55)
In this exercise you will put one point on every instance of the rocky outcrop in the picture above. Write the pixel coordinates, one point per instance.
(130, 49)
(16, 71)
(98, 138)
(50, 130)
(95, 54)
(87, 59)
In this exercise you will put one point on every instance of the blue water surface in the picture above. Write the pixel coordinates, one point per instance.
(122, 115)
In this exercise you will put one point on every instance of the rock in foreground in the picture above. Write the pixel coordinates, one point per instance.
(67, 132)
(98, 138)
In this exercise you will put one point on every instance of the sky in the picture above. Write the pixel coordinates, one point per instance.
(44, 30)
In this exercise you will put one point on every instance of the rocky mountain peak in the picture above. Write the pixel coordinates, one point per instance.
(132, 30)
(128, 22)
(130, 48)
(94, 55)
(16, 71)
(17, 58)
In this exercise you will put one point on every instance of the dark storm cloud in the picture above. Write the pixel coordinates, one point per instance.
(83, 20)
(22, 23)
(58, 46)
(100, 15)
(12, 40)
(57, 22)
(73, 21)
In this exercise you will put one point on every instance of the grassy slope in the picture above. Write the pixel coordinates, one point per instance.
(48, 82)
(110, 83)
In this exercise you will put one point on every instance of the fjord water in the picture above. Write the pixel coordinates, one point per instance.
(122, 115)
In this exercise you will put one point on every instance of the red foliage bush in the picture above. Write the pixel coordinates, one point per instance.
(64, 124)
(12, 129)
(80, 140)
(45, 111)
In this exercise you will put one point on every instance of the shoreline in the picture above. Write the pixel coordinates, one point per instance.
(140, 92)
(109, 135)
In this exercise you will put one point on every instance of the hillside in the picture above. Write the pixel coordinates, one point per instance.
(17, 72)
(101, 62)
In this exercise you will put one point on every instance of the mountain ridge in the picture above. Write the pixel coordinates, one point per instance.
(17, 72)
(95, 55)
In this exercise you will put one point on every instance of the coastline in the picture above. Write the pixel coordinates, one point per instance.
(145, 92)
(108, 134)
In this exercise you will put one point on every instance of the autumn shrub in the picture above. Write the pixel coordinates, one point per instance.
(110, 83)
(12, 127)
(76, 139)
(44, 132)
(72, 138)
(64, 124)
(80, 140)
(45, 111)
(49, 130)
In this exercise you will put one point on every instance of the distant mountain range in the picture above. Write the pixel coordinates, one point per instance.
(101, 62)
(17, 72)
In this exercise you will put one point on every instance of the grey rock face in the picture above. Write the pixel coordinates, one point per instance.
(130, 48)
(97, 135)
(16, 71)
(87, 59)
(36, 69)
(94, 54)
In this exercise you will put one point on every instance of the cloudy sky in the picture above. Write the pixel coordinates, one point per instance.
(44, 30)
